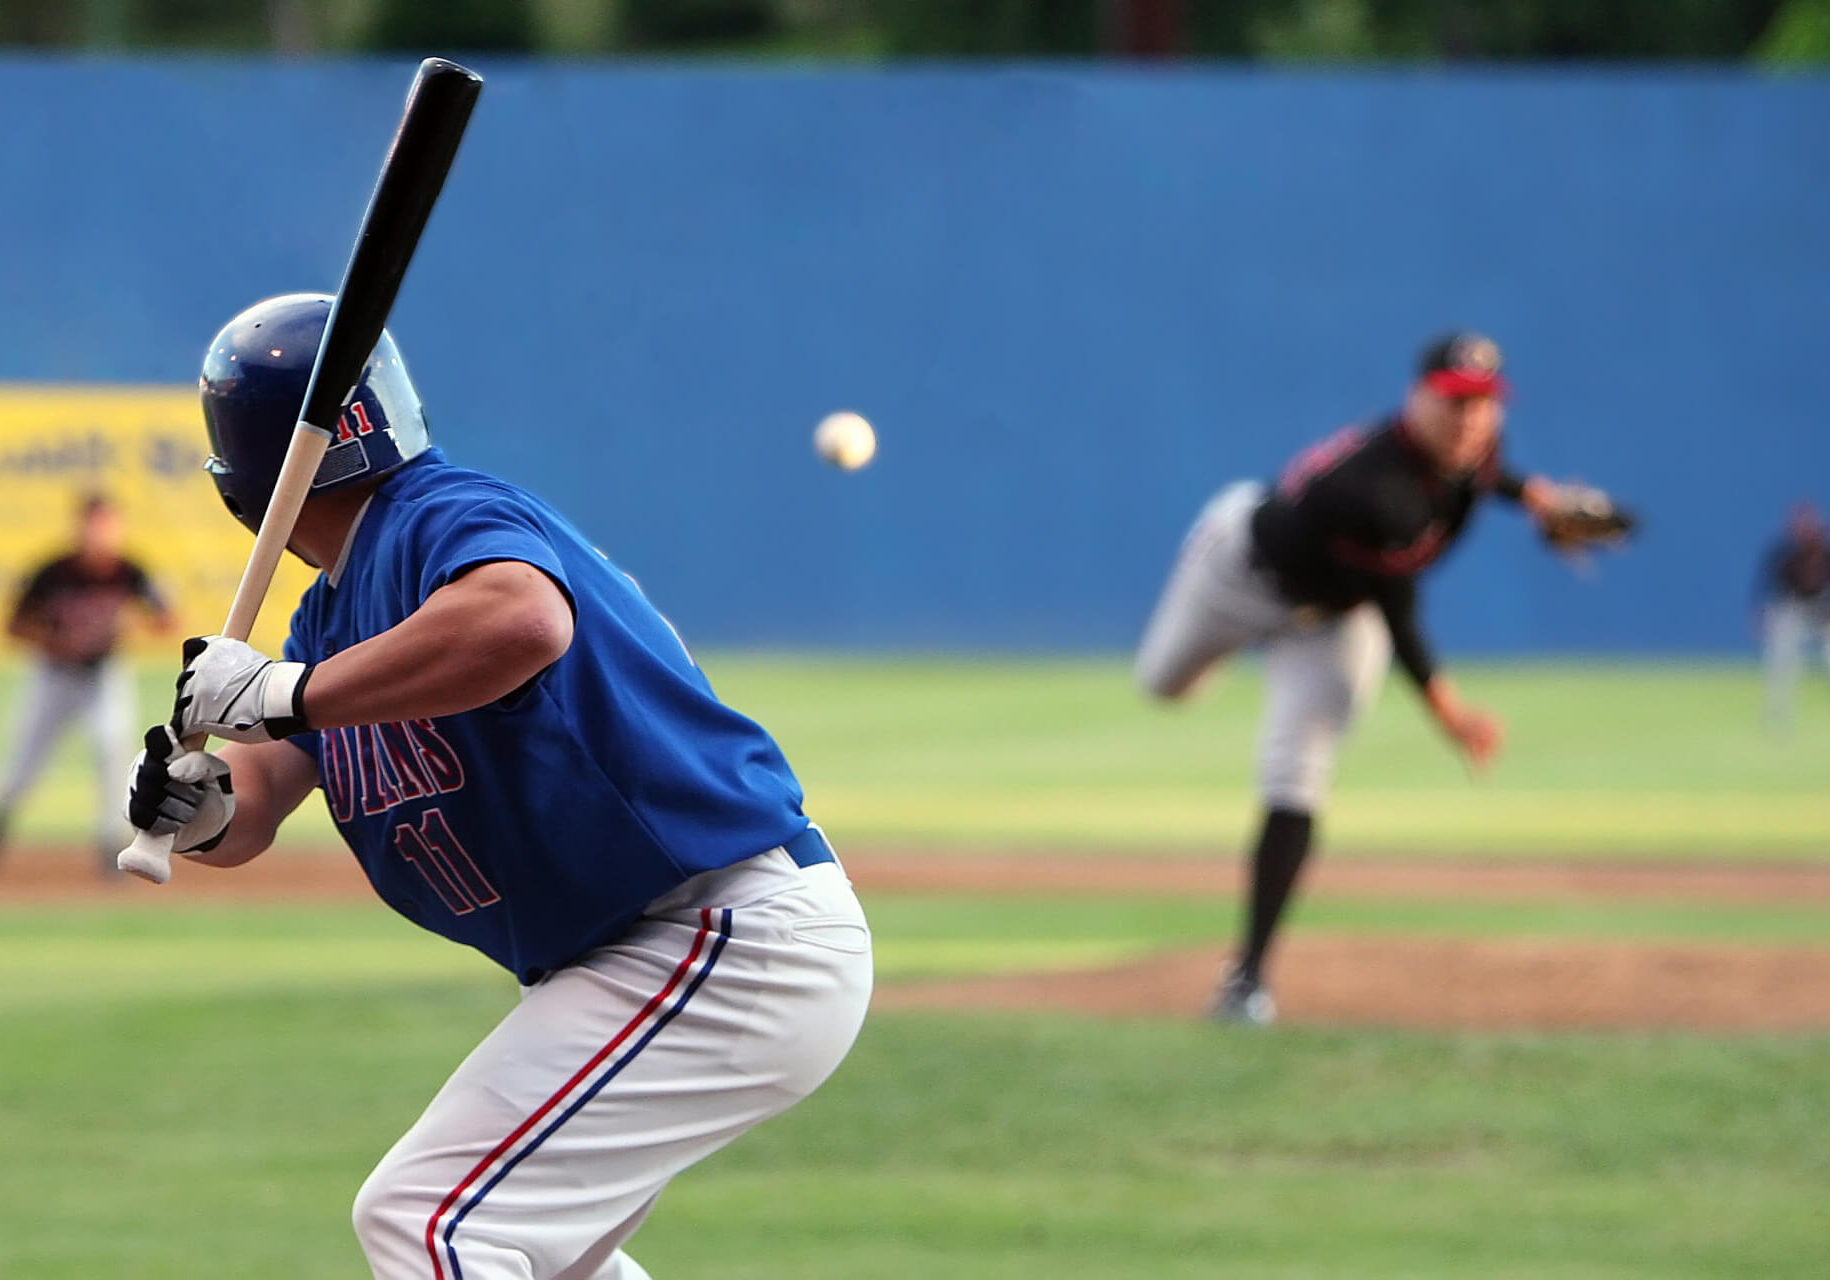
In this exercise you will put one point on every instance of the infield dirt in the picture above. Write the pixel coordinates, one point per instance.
(1334, 979)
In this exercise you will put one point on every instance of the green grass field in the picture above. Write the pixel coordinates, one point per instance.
(195, 1089)
(1606, 759)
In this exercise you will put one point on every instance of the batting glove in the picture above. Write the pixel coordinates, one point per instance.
(184, 794)
(238, 693)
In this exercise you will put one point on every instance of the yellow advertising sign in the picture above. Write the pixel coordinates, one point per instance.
(143, 447)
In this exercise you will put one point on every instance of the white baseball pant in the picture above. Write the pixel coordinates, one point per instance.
(1792, 631)
(55, 696)
(731, 999)
(1321, 669)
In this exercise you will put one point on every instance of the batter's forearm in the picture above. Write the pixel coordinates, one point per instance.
(236, 848)
(473, 642)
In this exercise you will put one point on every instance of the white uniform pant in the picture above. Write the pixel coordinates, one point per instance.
(1321, 669)
(1793, 632)
(52, 698)
(730, 1000)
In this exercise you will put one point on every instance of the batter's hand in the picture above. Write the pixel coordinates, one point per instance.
(186, 795)
(236, 692)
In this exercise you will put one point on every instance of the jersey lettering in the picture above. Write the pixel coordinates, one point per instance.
(436, 757)
(1395, 562)
(374, 768)
(380, 791)
(397, 755)
(446, 865)
(337, 773)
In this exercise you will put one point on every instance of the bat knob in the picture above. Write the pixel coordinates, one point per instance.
(148, 857)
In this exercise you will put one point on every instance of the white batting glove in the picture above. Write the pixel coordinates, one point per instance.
(237, 692)
(184, 794)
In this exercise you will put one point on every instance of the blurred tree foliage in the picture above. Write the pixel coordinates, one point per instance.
(468, 25)
(1774, 31)
(683, 24)
(1800, 35)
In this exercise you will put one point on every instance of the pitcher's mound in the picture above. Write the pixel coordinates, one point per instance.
(1442, 983)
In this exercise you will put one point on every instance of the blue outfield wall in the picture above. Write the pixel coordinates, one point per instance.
(1074, 301)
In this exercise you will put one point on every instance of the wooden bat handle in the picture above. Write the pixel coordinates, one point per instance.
(437, 111)
(150, 857)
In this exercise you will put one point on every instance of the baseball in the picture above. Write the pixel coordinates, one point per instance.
(845, 439)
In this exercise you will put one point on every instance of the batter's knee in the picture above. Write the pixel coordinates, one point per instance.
(390, 1224)
(396, 1220)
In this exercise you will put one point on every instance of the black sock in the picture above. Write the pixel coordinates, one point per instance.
(1282, 846)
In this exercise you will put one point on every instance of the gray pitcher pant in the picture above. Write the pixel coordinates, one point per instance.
(1321, 668)
(52, 698)
(1793, 632)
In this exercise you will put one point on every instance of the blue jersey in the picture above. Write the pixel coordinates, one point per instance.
(536, 828)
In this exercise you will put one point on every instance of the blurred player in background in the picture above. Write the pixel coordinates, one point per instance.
(70, 615)
(525, 759)
(1793, 600)
(1322, 573)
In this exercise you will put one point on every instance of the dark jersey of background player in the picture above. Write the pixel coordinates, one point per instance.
(1796, 566)
(71, 608)
(1360, 516)
(69, 612)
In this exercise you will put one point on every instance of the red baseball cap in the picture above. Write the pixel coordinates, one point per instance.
(1463, 364)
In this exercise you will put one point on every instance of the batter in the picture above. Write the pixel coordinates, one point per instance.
(525, 759)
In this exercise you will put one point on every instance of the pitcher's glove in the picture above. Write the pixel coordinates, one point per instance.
(1583, 517)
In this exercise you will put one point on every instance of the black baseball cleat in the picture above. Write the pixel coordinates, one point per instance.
(1244, 999)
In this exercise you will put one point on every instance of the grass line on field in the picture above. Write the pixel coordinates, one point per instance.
(1603, 759)
(1409, 820)
(61, 955)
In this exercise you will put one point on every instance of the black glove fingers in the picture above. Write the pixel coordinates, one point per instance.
(146, 802)
(158, 803)
(177, 811)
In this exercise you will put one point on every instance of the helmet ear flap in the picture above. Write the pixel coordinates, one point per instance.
(254, 377)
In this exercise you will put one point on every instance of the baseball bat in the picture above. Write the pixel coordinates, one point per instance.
(412, 175)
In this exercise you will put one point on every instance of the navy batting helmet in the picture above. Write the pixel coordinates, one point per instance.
(253, 384)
